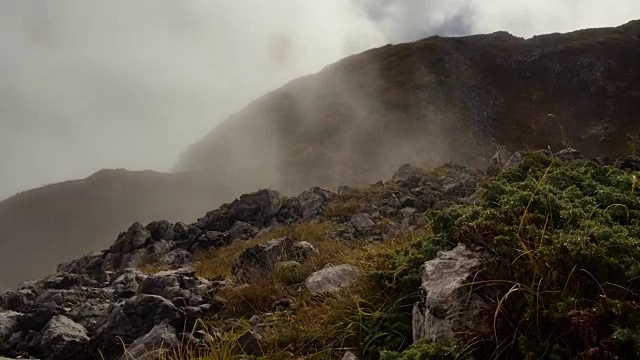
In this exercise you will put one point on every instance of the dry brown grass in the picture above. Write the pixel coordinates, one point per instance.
(217, 262)
(345, 208)
(316, 328)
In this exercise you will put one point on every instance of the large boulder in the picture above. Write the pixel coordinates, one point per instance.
(409, 176)
(130, 320)
(311, 202)
(447, 305)
(257, 261)
(153, 345)
(60, 339)
(258, 209)
(8, 326)
(331, 279)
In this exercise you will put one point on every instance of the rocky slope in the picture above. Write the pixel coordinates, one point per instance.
(540, 257)
(96, 303)
(356, 121)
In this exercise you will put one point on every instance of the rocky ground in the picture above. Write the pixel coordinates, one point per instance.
(239, 279)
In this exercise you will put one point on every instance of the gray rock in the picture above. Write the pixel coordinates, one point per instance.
(409, 176)
(408, 212)
(362, 222)
(161, 230)
(514, 160)
(258, 209)
(61, 338)
(134, 238)
(312, 202)
(243, 231)
(258, 261)
(331, 279)
(175, 259)
(446, 305)
(129, 320)
(349, 356)
(250, 342)
(8, 326)
(126, 284)
(89, 264)
(153, 345)
(568, 155)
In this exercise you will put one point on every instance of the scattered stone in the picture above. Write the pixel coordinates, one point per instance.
(349, 356)
(250, 342)
(60, 339)
(362, 222)
(258, 261)
(446, 305)
(568, 155)
(331, 279)
(153, 345)
(409, 176)
(130, 320)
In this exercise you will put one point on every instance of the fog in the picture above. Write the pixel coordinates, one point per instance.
(91, 84)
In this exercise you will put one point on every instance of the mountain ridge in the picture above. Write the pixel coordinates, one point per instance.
(428, 102)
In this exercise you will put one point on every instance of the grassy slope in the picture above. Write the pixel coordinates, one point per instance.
(566, 240)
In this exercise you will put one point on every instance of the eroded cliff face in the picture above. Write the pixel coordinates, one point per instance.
(433, 101)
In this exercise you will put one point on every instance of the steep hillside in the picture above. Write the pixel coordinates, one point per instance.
(425, 103)
(42, 227)
(539, 261)
(433, 101)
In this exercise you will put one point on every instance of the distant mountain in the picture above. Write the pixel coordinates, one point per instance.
(428, 102)
(40, 228)
(432, 101)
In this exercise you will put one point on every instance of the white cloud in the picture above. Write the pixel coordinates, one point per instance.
(90, 84)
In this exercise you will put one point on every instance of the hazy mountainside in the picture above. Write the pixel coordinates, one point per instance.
(425, 103)
(433, 101)
(41, 227)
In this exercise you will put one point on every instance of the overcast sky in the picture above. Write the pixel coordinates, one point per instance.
(87, 84)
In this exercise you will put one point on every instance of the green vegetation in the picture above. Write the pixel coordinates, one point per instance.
(563, 280)
(565, 239)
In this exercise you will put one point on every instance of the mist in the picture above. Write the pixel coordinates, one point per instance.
(120, 84)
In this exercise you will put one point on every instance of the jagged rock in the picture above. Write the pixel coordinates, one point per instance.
(250, 342)
(161, 230)
(408, 212)
(175, 259)
(283, 304)
(331, 279)
(126, 284)
(628, 163)
(39, 315)
(134, 238)
(89, 264)
(259, 260)
(498, 161)
(409, 176)
(176, 284)
(568, 155)
(242, 231)
(258, 209)
(8, 326)
(17, 300)
(153, 345)
(61, 338)
(447, 306)
(312, 202)
(362, 222)
(129, 320)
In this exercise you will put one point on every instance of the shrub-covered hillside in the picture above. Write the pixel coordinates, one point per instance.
(540, 261)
